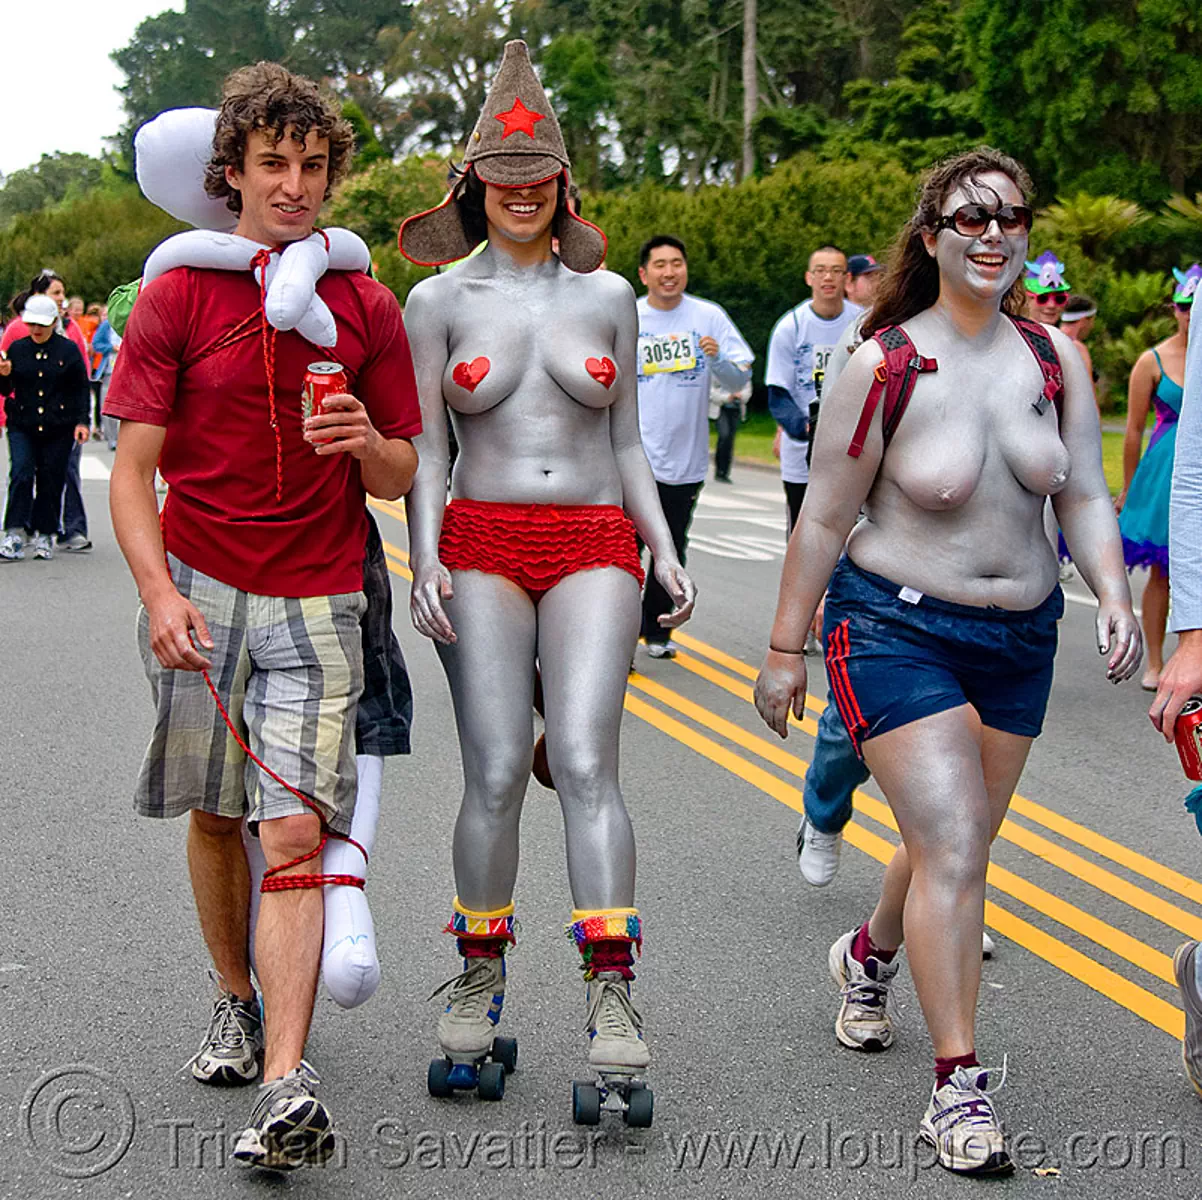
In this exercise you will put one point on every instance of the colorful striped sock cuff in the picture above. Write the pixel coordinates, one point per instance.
(605, 924)
(467, 923)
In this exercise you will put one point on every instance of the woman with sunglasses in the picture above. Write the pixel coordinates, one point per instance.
(1143, 504)
(941, 617)
(1046, 290)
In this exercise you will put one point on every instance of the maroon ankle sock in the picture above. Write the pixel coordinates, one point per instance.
(611, 954)
(945, 1067)
(477, 947)
(863, 947)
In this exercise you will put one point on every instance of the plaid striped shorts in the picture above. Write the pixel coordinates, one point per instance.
(289, 672)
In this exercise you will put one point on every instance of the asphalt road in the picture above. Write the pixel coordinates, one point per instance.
(102, 970)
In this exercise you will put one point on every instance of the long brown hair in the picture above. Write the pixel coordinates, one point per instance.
(911, 280)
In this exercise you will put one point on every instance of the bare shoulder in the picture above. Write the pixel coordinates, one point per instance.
(605, 285)
(430, 297)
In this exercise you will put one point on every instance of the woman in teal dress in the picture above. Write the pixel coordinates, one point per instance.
(1143, 504)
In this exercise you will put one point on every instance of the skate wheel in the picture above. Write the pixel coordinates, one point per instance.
(438, 1077)
(586, 1104)
(640, 1107)
(505, 1052)
(491, 1085)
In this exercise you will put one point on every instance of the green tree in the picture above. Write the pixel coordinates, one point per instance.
(52, 179)
(1096, 94)
(583, 91)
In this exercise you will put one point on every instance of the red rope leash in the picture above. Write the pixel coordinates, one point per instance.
(260, 260)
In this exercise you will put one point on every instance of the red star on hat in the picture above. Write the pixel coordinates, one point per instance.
(519, 119)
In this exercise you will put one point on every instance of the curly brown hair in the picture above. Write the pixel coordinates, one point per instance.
(270, 98)
(911, 280)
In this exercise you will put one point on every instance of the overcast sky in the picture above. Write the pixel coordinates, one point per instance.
(58, 53)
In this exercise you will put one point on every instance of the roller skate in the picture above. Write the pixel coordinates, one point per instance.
(473, 1058)
(617, 1052)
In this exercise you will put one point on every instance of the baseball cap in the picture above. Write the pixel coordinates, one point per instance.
(39, 310)
(862, 264)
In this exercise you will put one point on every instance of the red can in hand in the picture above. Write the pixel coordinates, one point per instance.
(1188, 735)
(322, 379)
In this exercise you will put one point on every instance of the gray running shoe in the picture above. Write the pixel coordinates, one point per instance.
(43, 546)
(12, 547)
(77, 543)
(289, 1127)
(1191, 1047)
(475, 998)
(615, 1028)
(229, 1055)
(661, 649)
(817, 853)
(864, 1021)
(963, 1126)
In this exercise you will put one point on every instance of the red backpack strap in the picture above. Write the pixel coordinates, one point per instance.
(894, 378)
(1040, 344)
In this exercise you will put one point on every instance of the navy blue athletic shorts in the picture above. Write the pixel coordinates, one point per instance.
(894, 655)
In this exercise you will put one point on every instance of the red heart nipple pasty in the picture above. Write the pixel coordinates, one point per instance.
(602, 370)
(469, 376)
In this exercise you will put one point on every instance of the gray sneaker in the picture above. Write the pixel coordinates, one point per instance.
(77, 543)
(614, 1026)
(962, 1124)
(12, 546)
(229, 1055)
(865, 1021)
(289, 1127)
(43, 546)
(1191, 1047)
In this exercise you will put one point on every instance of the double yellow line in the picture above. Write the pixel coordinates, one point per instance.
(728, 674)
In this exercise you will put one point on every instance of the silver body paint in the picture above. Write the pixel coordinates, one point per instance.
(536, 429)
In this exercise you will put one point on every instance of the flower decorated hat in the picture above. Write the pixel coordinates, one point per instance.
(1045, 274)
(517, 143)
(1187, 284)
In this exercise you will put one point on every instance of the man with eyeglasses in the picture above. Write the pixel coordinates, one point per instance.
(798, 353)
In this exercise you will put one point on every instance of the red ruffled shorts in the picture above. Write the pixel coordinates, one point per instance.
(537, 545)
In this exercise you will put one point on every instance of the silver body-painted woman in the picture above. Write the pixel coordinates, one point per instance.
(953, 510)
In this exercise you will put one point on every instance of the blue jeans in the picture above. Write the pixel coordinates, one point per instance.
(22, 467)
(74, 519)
(835, 772)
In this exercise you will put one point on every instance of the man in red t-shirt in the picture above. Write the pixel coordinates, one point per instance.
(251, 581)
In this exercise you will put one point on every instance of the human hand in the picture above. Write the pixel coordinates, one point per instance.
(710, 346)
(83, 434)
(1119, 501)
(776, 443)
(1180, 679)
(431, 586)
(172, 620)
(781, 685)
(672, 578)
(343, 427)
(1119, 636)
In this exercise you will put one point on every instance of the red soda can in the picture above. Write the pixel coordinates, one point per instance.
(1186, 733)
(322, 379)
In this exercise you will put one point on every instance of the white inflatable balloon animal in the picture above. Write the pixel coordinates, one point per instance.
(171, 153)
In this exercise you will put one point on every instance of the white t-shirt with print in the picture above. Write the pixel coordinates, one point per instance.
(798, 351)
(674, 383)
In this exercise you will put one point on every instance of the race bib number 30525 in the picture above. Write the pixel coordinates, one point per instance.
(661, 353)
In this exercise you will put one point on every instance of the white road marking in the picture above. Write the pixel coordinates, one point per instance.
(708, 500)
(93, 468)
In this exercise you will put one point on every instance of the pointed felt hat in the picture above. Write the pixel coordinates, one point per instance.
(517, 143)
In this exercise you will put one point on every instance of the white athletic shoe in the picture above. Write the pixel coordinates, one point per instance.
(615, 1028)
(12, 548)
(661, 649)
(817, 853)
(864, 1021)
(963, 1126)
(987, 946)
(812, 644)
(43, 546)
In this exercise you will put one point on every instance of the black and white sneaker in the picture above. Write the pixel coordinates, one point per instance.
(289, 1127)
(229, 1055)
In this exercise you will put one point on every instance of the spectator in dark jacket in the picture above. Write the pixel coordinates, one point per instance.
(44, 382)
